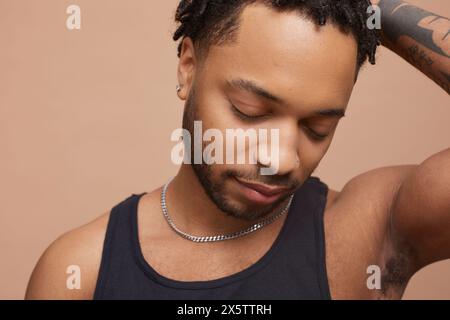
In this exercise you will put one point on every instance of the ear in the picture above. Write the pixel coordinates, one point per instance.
(186, 68)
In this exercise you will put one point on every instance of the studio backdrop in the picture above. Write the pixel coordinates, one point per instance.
(86, 116)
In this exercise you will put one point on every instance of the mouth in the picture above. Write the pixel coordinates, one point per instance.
(260, 193)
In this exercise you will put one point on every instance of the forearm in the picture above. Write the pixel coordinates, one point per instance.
(420, 37)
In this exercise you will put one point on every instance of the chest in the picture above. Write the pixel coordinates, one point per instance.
(182, 260)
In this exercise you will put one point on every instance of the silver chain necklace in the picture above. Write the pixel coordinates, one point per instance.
(217, 238)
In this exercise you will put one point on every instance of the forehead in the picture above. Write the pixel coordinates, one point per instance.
(289, 54)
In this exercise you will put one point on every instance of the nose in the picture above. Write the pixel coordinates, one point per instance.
(288, 160)
(283, 157)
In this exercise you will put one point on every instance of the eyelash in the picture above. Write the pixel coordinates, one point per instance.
(315, 135)
(245, 117)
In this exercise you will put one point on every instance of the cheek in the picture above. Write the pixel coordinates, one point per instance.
(312, 153)
(213, 113)
(214, 108)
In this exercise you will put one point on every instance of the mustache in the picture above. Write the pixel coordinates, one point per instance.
(284, 181)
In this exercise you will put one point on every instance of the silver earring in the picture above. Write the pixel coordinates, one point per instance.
(179, 88)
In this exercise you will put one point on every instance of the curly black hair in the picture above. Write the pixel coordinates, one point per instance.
(214, 22)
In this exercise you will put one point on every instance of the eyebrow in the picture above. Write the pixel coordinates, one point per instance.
(336, 113)
(252, 87)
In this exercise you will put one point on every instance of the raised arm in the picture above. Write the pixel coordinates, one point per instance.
(420, 210)
(420, 37)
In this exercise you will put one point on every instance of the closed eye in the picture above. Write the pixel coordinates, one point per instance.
(243, 116)
(246, 117)
(315, 135)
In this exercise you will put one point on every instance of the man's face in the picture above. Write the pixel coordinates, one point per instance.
(303, 71)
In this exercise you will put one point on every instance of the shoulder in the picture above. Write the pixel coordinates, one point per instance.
(377, 187)
(366, 201)
(81, 248)
(356, 224)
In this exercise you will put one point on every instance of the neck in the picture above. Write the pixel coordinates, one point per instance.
(193, 211)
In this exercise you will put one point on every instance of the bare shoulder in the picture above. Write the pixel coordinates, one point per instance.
(356, 225)
(376, 187)
(82, 248)
(366, 200)
(365, 203)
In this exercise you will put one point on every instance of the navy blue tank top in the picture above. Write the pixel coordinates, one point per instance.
(293, 268)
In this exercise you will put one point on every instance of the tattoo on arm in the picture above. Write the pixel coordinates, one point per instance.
(421, 37)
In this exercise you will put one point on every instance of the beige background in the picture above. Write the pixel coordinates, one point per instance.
(86, 116)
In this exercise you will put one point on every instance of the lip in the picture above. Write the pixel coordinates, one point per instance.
(262, 188)
(259, 193)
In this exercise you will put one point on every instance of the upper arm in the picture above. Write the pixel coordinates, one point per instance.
(81, 248)
(357, 229)
(421, 210)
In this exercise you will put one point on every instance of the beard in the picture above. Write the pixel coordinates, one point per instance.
(214, 181)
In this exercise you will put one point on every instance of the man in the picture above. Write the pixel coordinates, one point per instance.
(226, 231)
